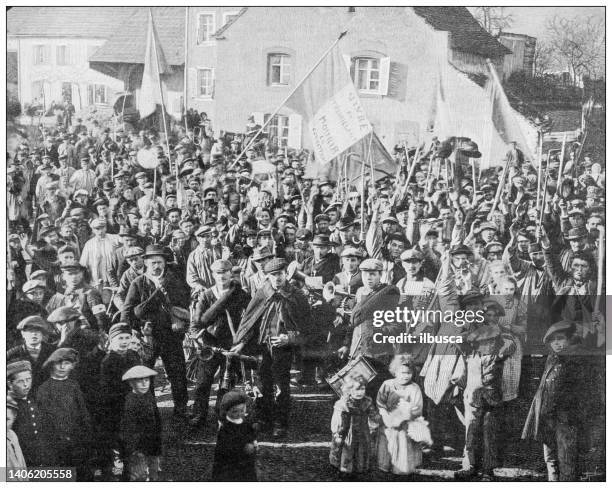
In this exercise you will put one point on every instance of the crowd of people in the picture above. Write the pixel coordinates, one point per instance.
(126, 247)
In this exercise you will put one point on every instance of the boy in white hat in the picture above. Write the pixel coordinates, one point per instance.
(141, 426)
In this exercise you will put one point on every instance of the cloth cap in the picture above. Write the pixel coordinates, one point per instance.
(133, 251)
(491, 303)
(389, 218)
(488, 226)
(371, 265)
(564, 326)
(230, 400)
(483, 333)
(575, 211)
(63, 314)
(461, 249)
(575, 234)
(138, 372)
(262, 253)
(33, 322)
(351, 252)
(62, 354)
(73, 267)
(98, 223)
(81, 192)
(30, 285)
(275, 265)
(119, 328)
(321, 240)
(409, 254)
(534, 247)
(205, 229)
(17, 367)
(221, 266)
(493, 244)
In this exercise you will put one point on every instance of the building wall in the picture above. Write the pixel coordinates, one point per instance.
(203, 55)
(76, 71)
(523, 52)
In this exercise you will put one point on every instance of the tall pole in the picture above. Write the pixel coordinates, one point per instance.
(254, 138)
(539, 166)
(161, 96)
(186, 69)
(362, 233)
(561, 159)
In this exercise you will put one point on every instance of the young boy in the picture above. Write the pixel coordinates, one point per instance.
(34, 445)
(64, 416)
(236, 445)
(34, 349)
(482, 398)
(141, 426)
(113, 390)
(554, 416)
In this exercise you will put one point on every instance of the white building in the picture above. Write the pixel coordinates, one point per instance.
(52, 46)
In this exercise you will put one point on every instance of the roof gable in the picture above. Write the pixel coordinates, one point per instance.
(89, 22)
(129, 43)
(466, 34)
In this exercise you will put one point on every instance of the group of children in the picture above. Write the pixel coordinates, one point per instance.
(51, 424)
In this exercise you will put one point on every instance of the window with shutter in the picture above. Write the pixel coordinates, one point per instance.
(40, 54)
(366, 74)
(206, 27)
(62, 56)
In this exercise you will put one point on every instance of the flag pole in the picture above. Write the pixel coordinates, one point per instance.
(323, 56)
(185, 71)
(161, 96)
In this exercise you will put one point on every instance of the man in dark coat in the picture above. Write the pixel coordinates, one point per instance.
(214, 322)
(372, 297)
(30, 304)
(154, 297)
(275, 322)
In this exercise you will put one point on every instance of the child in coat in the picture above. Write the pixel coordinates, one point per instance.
(352, 424)
(64, 415)
(119, 359)
(236, 448)
(140, 427)
(399, 402)
(558, 408)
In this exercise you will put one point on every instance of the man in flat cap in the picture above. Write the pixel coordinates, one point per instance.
(214, 323)
(34, 347)
(83, 178)
(359, 339)
(199, 274)
(152, 298)
(323, 263)
(31, 303)
(274, 323)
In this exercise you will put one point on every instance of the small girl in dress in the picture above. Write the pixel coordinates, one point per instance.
(352, 424)
(400, 403)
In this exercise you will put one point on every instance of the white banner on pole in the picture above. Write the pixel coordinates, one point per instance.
(338, 124)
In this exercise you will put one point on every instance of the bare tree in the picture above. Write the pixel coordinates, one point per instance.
(494, 19)
(543, 60)
(579, 45)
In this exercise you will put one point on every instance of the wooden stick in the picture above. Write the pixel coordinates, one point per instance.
(561, 158)
(539, 185)
(544, 196)
(500, 187)
(474, 182)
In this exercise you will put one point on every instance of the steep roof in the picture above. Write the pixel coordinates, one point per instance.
(466, 34)
(91, 22)
(226, 25)
(129, 42)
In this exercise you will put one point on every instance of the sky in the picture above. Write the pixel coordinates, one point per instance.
(532, 20)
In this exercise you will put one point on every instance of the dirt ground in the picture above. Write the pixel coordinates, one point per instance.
(303, 454)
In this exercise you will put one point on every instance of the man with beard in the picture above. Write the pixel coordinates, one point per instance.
(214, 322)
(153, 297)
(359, 340)
(274, 323)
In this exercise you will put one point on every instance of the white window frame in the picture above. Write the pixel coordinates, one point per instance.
(198, 83)
(368, 73)
(210, 39)
(227, 14)
(285, 69)
(66, 55)
(43, 50)
(274, 129)
(94, 90)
